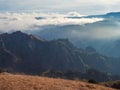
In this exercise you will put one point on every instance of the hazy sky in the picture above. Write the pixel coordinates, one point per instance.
(81, 6)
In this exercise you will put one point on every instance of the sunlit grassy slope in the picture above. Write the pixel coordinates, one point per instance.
(26, 82)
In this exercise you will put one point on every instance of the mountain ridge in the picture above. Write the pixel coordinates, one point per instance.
(25, 53)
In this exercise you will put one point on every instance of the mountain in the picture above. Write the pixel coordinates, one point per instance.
(113, 14)
(27, 53)
(108, 29)
(108, 15)
(23, 53)
(102, 35)
(101, 32)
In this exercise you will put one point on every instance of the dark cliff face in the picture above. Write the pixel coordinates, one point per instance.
(33, 54)
(20, 52)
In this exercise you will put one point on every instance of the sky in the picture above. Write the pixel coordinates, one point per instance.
(62, 6)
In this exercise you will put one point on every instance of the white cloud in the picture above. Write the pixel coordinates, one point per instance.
(27, 21)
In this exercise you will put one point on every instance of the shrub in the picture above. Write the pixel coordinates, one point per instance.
(92, 81)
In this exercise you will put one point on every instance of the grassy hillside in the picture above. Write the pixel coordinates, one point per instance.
(113, 84)
(25, 82)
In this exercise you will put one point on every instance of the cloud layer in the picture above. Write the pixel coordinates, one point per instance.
(55, 25)
(33, 21)
(82, 6)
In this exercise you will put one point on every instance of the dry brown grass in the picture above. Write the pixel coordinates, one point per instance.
(25, 82)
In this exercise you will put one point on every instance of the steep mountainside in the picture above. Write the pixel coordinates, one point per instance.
(31, 54)
(20, 52)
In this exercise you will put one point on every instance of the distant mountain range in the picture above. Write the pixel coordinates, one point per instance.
(108, 15)
(103, 35)
(20, 52)
(101, 32)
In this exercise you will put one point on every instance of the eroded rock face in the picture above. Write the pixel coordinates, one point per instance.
(21, 52)
(33, 54)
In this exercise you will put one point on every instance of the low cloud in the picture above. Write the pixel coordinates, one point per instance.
(97, 34)
(33, 21)
(55, 25)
